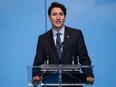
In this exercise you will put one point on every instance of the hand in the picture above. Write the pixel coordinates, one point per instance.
(90, 79)
(36, 79)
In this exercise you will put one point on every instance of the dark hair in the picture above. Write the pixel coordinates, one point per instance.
(56, 4)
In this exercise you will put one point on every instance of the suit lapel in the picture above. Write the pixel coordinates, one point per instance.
(52, 44)
(66, 41)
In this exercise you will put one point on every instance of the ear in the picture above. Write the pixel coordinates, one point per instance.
(64, 18)
(49, 18)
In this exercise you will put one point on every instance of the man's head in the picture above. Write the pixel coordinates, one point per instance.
(57, 14)
(58, 5)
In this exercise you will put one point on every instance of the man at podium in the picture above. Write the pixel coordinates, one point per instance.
(61, 44)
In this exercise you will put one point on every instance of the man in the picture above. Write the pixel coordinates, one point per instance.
(71, 43)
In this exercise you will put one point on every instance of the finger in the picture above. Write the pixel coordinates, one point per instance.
(90, 79)
(36, 78)
(41, 77)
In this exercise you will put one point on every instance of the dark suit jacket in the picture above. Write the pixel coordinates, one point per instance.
(73, 46)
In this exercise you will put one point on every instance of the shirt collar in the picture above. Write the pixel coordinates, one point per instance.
(61, 31)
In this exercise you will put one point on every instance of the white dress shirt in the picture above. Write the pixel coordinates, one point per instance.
(62, 30)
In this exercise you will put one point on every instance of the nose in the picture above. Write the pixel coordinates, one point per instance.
(58, 17)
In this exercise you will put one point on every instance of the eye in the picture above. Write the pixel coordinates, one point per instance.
(61, 14)
(54, 14)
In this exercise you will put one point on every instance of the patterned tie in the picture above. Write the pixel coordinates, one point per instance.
(58, 44)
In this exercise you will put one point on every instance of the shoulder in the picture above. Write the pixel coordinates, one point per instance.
(73, 30)
(46, 34)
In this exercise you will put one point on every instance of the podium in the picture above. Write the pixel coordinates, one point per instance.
(60, 75)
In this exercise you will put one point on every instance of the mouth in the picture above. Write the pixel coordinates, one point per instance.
(58, 22)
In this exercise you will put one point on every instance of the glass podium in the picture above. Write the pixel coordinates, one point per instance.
(62, 75)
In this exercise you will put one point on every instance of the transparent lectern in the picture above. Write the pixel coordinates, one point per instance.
(62, 75)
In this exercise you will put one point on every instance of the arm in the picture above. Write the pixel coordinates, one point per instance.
(39, 59)
(84, 58)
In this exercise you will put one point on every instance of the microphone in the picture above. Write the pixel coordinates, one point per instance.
(73, 60)
(47, 61)
(61, 45)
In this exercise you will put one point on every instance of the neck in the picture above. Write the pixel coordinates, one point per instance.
(57, 28)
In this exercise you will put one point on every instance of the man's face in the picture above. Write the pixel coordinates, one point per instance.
(57, 18)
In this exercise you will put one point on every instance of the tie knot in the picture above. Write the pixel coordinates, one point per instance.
(58, 34)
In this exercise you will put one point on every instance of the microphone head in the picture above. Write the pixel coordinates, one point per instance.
(62, 43)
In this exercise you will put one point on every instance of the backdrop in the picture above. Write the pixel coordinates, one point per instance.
(22, 21)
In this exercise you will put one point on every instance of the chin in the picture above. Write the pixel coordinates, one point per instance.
(58, 26)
